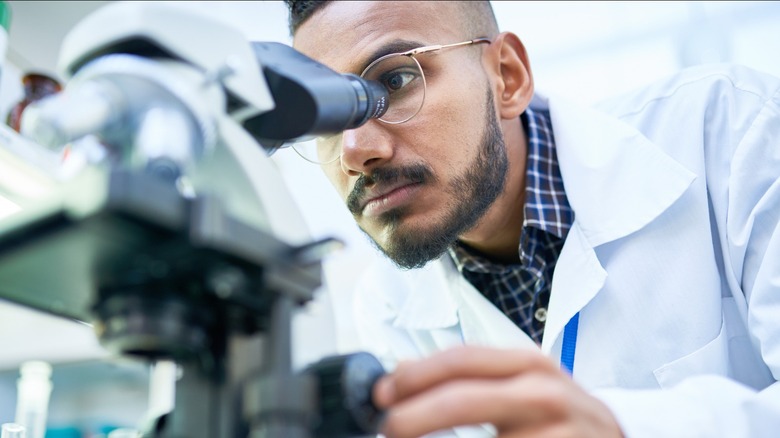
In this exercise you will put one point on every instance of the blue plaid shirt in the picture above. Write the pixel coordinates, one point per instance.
(522, 291)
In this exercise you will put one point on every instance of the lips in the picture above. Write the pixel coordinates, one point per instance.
(382, 198)
(387, 188)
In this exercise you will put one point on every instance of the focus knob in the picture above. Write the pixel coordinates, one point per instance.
(346, 408)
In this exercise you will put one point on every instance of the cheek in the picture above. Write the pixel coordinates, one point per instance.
(453, 122)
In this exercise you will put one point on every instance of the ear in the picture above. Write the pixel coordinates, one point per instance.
(514, 85)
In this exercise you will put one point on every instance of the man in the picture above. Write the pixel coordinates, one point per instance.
(640, 241)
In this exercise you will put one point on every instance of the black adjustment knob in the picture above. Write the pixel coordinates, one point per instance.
(346, 408)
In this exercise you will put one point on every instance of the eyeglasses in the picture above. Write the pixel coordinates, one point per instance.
(404, 79)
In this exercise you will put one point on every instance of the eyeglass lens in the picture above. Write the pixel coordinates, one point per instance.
(403, 78)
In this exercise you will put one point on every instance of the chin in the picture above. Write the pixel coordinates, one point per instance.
(410, 246)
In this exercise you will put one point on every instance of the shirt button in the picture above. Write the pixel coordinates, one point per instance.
(541, 314)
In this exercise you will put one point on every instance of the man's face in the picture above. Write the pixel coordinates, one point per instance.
(416, 186)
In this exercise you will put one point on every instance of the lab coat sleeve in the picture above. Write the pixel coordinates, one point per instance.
(717, 406)
(702, 406)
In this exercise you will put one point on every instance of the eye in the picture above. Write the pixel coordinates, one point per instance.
(397, 79)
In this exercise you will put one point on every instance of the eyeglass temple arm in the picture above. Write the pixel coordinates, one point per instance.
(436, 47)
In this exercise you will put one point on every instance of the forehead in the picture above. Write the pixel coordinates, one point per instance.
(345, 35)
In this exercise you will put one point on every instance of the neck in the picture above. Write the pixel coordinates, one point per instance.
(497, 234)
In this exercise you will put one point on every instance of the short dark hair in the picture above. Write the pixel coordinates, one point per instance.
(301, 10)
(479, 20)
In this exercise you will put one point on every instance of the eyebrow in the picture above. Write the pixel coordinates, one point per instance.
(395, 46)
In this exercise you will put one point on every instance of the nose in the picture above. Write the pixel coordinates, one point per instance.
(365, 148)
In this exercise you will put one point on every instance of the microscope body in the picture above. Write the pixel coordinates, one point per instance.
(181, 240)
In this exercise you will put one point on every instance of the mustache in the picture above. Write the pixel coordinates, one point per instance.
(416, 173)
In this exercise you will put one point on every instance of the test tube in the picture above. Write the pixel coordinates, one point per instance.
(12, 430)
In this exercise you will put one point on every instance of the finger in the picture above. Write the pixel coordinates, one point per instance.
(450, 405)
(384, 392)
(459, 363)
(515, 405)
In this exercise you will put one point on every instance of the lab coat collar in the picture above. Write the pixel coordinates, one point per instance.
(617, 181)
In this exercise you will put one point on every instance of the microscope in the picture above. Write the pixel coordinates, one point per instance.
(177, 239)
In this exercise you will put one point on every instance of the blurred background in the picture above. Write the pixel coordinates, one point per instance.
(588, 51)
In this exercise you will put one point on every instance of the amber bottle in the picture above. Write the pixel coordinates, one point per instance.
(36, 87)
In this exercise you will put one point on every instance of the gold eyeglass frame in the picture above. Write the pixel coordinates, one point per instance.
(410, 53)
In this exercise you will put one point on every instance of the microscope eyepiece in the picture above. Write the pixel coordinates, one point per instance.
(311, 99)
(372, 99)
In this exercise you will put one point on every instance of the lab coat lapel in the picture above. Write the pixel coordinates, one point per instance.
(578, 277)
(617, 181)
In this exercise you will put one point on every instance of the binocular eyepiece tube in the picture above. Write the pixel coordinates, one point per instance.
(311, 99)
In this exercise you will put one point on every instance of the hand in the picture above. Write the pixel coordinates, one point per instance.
(521, 392)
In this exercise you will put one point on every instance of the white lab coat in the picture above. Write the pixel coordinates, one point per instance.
(673, 262)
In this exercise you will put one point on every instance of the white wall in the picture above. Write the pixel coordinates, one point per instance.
(595, 50)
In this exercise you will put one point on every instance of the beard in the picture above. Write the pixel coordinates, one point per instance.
(470, 194)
